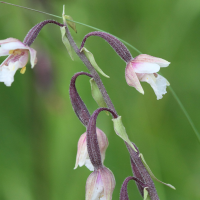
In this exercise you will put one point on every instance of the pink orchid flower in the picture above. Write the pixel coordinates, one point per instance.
(82, 157)
(17, 58)
(144, 68)
(100, 185)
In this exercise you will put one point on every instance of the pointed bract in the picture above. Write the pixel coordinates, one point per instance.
(90, 57)
(82, 157)
(100, 185)
(18, 58)
(121, 131)
(144, 68)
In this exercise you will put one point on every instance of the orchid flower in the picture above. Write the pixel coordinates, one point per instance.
(100, 184)
(144, 68)
(82, 157)
(17, 58)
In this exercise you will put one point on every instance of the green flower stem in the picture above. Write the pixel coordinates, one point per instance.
(185, 112)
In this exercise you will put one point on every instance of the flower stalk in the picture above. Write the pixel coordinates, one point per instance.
(33, 33)
(92, 142)
(77, 103)
(116, 44)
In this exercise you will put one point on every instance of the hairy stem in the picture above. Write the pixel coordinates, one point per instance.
(92, 70)
(33, 33)
(153, 194)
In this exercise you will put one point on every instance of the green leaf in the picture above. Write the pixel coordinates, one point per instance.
(70, 23)
(121, 131)
(90, 57)
(146, 194)
(151, 173)
(66, 41)
(96, 94)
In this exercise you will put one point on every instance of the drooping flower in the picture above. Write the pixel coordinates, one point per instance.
(100, 185)
(144, 68)
(82, 157)
(17, 58)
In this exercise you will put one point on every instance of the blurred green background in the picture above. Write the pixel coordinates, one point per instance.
(39, 130)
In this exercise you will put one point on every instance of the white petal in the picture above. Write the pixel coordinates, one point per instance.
(8, 40)
(88, 164)
(33, 57)
(7, 73)
(14, 45)
(145, 67)
(151, 59)
(4, 52)
(98, 192)
(83, 155)
(158, 84)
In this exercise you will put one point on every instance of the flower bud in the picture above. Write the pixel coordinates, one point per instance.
(100, 185)
(82, 157)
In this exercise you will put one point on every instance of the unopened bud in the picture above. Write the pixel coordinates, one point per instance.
(100, 184)
(82, 157)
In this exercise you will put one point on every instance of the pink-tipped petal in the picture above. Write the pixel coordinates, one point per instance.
(98, 192)
(151, 59)
(81, 151)
(8, 40)
(82, 157)
(132, 79)
(145, 67)
(90, 185)
(108, 180)
(33, 57)
(103, 142)
(158, 83)
(14, 45)
(100, 185)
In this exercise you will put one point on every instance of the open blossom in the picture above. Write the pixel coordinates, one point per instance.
(100, 185)
(82, 157)
(18, 54)
(144, 68)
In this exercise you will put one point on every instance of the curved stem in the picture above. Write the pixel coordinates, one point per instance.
(117, 45)
(124, 192)
(92, 71)
(77, 103)
(92, 141)
(33, 33)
